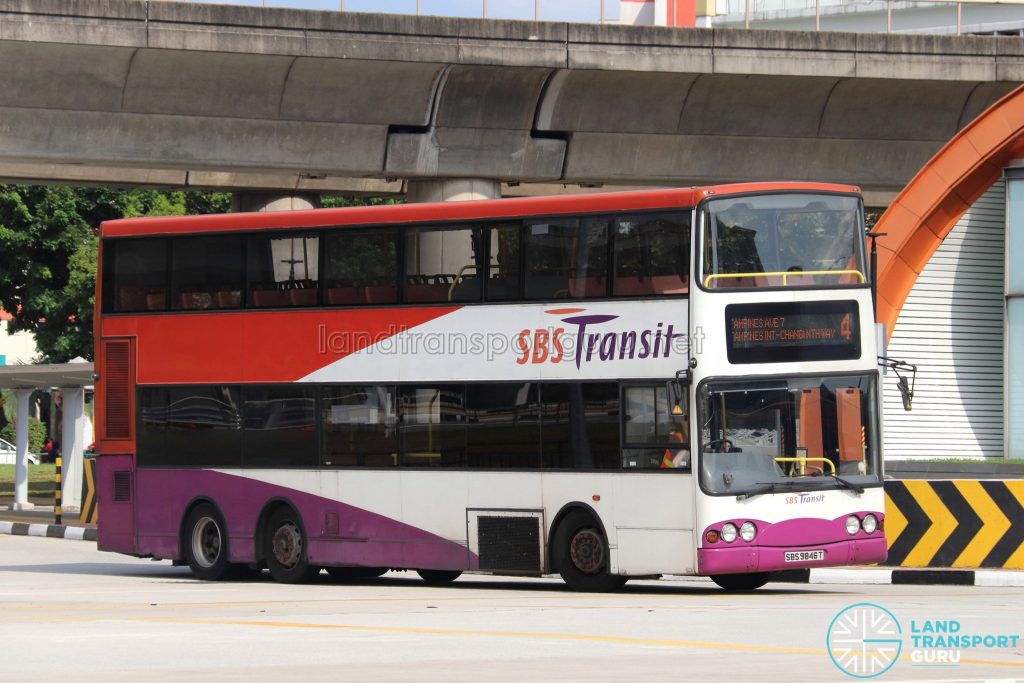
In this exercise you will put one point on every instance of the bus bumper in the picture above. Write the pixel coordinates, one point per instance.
(744, 559)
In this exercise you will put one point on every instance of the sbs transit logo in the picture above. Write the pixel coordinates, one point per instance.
(581, 340)
(864, 640)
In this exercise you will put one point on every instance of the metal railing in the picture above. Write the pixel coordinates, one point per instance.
(751, 8)
(584, 11)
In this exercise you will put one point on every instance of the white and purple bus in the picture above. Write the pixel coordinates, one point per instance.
(603, 386)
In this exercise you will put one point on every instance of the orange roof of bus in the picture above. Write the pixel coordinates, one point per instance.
(447, 211)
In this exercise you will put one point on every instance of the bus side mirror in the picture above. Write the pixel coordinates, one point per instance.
(906, 387)
(905, 393)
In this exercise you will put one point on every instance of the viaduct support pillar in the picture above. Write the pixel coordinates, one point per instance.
(21, 397)
(271, 201)
(72, 446)
(451, 190)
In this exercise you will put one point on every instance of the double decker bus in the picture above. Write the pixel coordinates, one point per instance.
(605, 386)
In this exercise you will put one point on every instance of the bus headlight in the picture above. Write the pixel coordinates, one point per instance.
(748, 531)
(852, 525)
(728, 532)
(869, 524)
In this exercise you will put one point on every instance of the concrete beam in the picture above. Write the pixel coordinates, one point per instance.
(91, 175)
(166, 141)
(291, 100)
(597, 157)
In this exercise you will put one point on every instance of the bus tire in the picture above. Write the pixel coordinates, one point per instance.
(355, 573)
(439, 576)
(580, 555)
(286, 548)
(205, 543)
(742, 583)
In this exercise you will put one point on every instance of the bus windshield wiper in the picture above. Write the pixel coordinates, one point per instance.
(846, 483)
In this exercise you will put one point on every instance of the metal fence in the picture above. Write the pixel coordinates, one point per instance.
(586, 11)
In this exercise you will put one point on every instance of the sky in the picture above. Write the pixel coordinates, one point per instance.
(550, 10)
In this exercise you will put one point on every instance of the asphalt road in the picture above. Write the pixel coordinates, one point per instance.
(69, 613)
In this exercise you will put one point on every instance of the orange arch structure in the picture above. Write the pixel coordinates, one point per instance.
(930, 205)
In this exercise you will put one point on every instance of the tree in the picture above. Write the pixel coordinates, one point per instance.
(48, 249)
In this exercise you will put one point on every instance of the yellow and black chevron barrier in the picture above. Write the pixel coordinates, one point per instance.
(88, 513)
(960, 523)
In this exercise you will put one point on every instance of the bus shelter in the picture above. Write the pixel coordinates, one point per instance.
(71, 379)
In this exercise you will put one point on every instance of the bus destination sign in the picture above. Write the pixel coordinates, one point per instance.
(786, 332)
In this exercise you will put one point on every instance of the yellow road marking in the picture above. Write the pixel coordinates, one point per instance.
(539, 635)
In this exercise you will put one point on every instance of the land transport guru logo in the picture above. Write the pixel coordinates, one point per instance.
(582, 341)
(865, 640)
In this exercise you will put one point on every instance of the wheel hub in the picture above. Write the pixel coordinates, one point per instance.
(206, 542)
(587, 551)
(286, 545)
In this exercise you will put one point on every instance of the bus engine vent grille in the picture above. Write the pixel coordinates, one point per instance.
(509, 543)
(117, 383)
(122, 486)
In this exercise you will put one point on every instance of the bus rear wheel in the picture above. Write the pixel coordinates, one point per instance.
(206, 544)
(741, 583)
(580, 555)
(438, 576)
(285, 547)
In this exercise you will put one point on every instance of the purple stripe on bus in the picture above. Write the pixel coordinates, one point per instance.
(361, 538)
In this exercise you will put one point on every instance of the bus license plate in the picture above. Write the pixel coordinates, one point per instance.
(805, 556)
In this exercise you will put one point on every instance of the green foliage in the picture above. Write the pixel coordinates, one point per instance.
(48, 249)
(332, 202)
(36, 434)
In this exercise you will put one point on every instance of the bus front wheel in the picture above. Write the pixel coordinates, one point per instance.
(285, 546)
(580, 555)
(740, 583)
(206, 543)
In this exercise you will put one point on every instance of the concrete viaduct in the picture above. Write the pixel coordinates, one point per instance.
(191, 95)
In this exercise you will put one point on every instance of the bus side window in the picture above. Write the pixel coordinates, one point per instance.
(283, 271)
(567, 258)
(359, 426)
(361, 267)
(135, 277)
(654, 437)
(442, 265)
(652, 255)
(206, 273)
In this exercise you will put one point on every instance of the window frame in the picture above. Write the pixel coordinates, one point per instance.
(486, 225)
(698, 246)
(875, 379)
(320, 390)
(625, 444)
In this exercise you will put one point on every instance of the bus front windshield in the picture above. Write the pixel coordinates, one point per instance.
(783, 240)
(788, 434)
